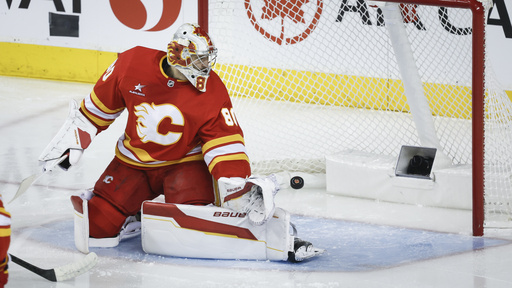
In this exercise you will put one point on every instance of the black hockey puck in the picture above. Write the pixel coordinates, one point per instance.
(297, 182)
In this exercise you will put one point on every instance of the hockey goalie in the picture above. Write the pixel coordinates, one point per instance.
(183, 145)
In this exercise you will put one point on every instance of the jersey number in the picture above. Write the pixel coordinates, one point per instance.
(200, 82)
(229, 116)
(109, 71)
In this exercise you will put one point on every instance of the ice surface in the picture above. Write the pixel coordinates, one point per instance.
(369, 244)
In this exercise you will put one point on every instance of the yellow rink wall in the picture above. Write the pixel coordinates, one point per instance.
(342, 90)
(82, 65)
(55, 63)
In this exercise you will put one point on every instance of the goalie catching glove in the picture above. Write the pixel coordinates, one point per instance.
(73, 137)
(254, 196)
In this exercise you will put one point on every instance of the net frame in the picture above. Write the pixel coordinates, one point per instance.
(478, 9)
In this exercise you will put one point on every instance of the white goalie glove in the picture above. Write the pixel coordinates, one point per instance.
(73, 137)
(254, 196)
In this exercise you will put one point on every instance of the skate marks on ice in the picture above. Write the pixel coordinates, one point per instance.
(351, 246)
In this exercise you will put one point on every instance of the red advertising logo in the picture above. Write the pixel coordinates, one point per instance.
(133, 13)
(284, 22)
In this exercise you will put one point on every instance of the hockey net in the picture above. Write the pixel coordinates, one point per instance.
(316, 78)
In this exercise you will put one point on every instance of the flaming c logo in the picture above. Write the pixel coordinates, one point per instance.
(133, 13)
(284, 22)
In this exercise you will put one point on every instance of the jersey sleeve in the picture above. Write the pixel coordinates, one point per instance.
(227, 157)
(104, 104)
(5, 239)
(224, 146)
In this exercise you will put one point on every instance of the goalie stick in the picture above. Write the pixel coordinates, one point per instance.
(27, 182)
(61, 273)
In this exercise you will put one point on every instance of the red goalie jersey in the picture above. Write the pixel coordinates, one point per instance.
(169, 121)
(5, 240)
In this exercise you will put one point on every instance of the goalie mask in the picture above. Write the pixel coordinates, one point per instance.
(192, 52)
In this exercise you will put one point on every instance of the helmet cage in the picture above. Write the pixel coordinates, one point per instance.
(200, 62)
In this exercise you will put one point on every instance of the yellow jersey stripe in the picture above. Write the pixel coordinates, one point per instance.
(143, 155)
(5, 232)
(240, 156)
(127, 160)
(222, 140)
(96, 120)
(101, 106)
(4, 212)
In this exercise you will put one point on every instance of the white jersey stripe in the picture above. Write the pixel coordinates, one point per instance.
(4, 220)
(224, 150)
(89, 105)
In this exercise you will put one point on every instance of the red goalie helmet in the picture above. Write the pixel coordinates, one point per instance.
(193, 53)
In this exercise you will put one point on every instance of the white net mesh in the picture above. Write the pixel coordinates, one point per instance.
(314, 78)
(498, 155)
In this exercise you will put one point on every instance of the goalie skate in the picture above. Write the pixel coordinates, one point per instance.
(131, 227)
(303, 250)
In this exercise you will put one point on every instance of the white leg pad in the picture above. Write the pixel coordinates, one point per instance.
(213, 232)
(104, 242)
(81, 219)
(278, 237)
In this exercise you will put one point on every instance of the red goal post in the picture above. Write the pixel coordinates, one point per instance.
(225, 20)
(478, 101)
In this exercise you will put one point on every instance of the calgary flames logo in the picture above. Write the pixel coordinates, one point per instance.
(284, 22)
(150, 119)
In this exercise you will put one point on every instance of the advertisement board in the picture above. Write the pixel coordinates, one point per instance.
(117, 25)
(112, 26)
